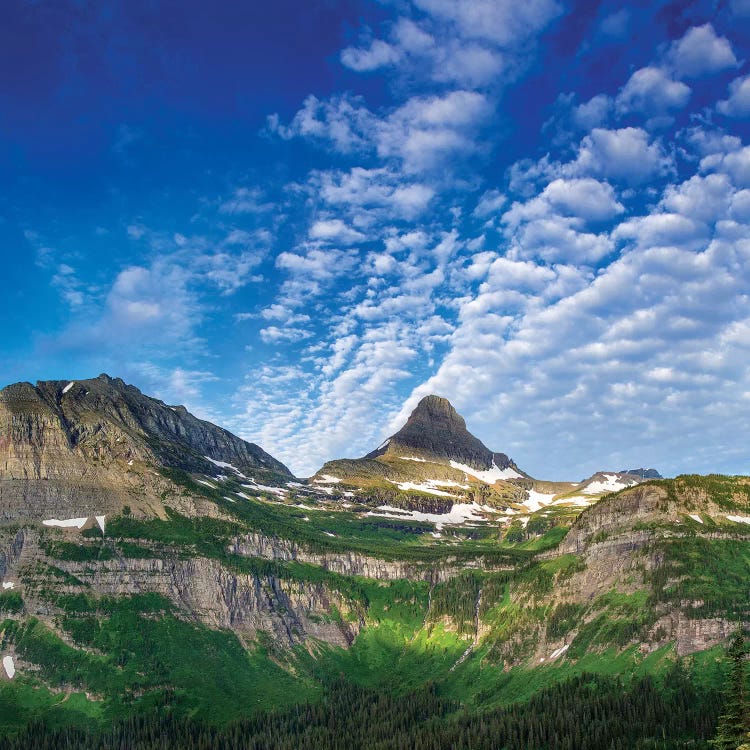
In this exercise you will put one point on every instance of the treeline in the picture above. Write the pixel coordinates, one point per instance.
(586, 713)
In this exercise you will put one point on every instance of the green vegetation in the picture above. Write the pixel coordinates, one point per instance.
(133, 652)
(707, 577)
(589, 712)
(734, 722)
(11, 602)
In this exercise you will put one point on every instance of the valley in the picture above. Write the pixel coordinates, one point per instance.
(153, 560)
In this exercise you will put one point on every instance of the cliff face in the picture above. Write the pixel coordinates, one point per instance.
(354, 563)
(200, 588)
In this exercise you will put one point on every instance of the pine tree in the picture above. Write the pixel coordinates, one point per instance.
(734, 723)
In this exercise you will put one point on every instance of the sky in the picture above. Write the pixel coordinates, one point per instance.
(298, 218)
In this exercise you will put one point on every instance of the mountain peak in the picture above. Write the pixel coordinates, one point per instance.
(437, 407)
(436, 431)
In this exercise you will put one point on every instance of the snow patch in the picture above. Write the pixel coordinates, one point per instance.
(490, 476)
(427, 487)
(231, 499)
(458, 514)
(69, 386)
(208, 484)
(326, 479)
(280, 491)
(383, 444)
(66, 523)
(611, 483)
(559, 651)
(9, 666)
(537, 500)
(696, 517)
(8, 585)
(739, 519)
(413, 458)
(225, 465)
(100, 521)
(577, 500)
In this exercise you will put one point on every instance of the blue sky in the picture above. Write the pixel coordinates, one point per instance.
(298, 218)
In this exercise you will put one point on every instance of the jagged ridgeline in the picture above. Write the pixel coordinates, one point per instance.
(429, 594)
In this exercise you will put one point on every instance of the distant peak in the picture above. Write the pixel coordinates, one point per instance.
(643, 473)
(436, 431)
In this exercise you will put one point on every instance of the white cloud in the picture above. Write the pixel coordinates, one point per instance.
(378, 55)
(382, 190)
(343, 121)
(651, 91)
(500, 21)
(334, 230)
(701, 52)
(736, 164)
(422, 134)
(586, 198)
(702, 198)
(592, 113)
(738, 103)
(556, 238)
(426, 131)
(490, 203)
(287, 334)
(662, 230)
(246, 201)
(622, 155)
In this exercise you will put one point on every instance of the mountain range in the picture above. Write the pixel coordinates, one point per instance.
(151, 559)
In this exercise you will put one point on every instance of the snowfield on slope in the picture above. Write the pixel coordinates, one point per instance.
(66, 523)
(225, 465)
(430, 486)
(9, 666)
(490, 476)
(458, 514)
(612, 483)
(537, 500)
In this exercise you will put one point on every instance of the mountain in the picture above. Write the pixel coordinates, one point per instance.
(434, 469)
(162, 577)
(91, 446)
(436, 432)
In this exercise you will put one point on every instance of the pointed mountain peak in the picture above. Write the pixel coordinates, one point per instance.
(435, 431)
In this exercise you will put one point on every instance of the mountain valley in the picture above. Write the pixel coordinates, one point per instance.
(151, 559)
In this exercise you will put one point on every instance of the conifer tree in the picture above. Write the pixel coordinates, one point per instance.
(734, 723)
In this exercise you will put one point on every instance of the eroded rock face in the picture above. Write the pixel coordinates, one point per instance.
(348, 563)
(638, 504)
(200, 588)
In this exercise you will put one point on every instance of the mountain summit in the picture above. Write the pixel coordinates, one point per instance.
(435, 431)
